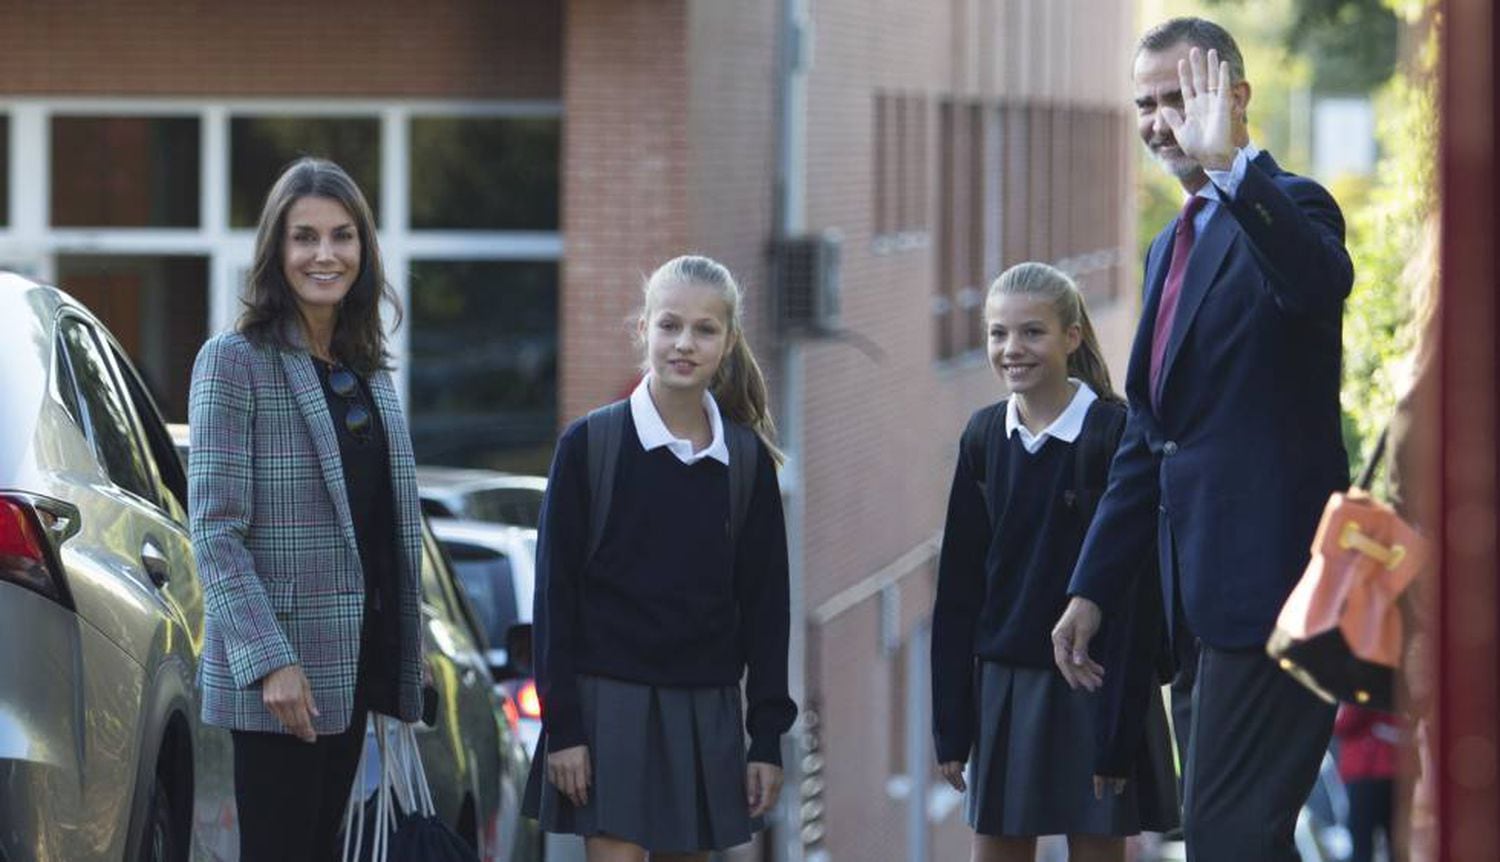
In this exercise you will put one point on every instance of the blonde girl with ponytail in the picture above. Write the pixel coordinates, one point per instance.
(648, 746)
(737, 384)
(1034, 756)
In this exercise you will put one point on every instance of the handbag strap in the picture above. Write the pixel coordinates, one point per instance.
(1367, 475)
(354, 810)
(403, 782)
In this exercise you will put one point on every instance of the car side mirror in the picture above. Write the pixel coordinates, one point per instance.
(516, 660)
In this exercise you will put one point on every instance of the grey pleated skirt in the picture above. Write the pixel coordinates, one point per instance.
(668, 768)
(1033, 763)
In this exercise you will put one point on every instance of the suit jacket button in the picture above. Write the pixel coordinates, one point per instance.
(1170, 448)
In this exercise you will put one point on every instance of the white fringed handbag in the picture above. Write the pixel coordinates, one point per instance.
(406, 826)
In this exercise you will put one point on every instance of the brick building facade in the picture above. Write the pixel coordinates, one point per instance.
(940, 139)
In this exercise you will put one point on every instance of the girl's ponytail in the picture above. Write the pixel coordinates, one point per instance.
(738, 386)
(1046, 282)
(1087, 362)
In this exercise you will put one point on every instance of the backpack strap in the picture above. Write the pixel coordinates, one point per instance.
(1102, 427)
(744, 452)
(976, 446)
(606, 427)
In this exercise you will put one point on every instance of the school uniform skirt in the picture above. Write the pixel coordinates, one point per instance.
(668, 769)
(1033, 763)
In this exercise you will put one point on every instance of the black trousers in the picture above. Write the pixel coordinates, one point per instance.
(1256, 743)
(291, 794)
(1370, 804)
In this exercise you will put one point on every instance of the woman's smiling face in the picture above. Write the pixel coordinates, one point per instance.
(320, 252)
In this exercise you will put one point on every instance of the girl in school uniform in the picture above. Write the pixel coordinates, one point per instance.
(1042, 758)
(643, 642)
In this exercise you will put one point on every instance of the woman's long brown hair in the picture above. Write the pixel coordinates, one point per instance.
(271, 313)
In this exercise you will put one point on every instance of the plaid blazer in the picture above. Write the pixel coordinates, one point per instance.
(274, 540)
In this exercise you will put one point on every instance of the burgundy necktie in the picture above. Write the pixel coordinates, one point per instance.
(1171, 292)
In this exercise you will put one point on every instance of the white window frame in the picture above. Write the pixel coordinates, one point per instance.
(30, 245)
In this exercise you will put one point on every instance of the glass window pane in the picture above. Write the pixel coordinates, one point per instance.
(484, 363)
(485, 173)
(519, 506)
(486, 579)
(107, 420)
(156, 307)
(260, 148)
(125, 171)
(4, 170)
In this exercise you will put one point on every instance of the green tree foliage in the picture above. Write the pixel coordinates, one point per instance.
(1351, 43)
(1385, 226)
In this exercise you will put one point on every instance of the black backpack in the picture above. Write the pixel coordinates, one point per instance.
(606, 427)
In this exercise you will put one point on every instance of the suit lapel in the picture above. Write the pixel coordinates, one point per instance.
(1209, 253)
(308, 391)
(403, 470)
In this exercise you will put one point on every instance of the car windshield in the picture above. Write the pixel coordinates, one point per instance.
(521, 507)
(486, 578)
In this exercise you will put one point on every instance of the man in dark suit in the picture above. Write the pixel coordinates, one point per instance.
(1233, 442)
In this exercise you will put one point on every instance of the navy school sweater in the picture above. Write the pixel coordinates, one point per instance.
(666, 601)
(1014, 529)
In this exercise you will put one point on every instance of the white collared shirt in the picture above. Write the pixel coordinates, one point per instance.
(653, 432)
(1066, 427)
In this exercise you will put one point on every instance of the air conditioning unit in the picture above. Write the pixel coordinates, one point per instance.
(805, 270)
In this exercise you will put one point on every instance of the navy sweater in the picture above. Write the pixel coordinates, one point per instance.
(1009, 547)
(666, 601)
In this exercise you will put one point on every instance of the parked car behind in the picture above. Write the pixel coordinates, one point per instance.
(101, 611)
(496, 565)
(476, 755)
(481, 495)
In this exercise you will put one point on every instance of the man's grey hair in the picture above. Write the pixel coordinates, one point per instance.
(1200, 33)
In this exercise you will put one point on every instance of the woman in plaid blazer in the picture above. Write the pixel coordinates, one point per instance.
(305, 520)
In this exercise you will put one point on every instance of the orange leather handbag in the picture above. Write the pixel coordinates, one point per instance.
(1340, 632)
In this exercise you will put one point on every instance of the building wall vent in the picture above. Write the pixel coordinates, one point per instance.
(806, 273)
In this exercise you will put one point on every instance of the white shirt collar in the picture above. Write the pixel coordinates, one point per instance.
(1066, 427)
(653, 432)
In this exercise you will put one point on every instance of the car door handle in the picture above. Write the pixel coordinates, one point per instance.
(156, 563)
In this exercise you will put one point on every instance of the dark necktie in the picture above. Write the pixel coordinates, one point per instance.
(1171, 292)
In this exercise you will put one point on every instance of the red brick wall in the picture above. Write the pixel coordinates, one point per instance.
(669, 148)
(626, 201)
(732, 124)
(453, 49)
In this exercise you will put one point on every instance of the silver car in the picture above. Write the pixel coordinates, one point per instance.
(481, 495)
(496, 565)
(475, 755)
(101, 753)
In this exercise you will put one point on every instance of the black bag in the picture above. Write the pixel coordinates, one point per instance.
(399, 822)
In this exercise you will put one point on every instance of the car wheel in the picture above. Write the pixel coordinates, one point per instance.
(158, 841)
